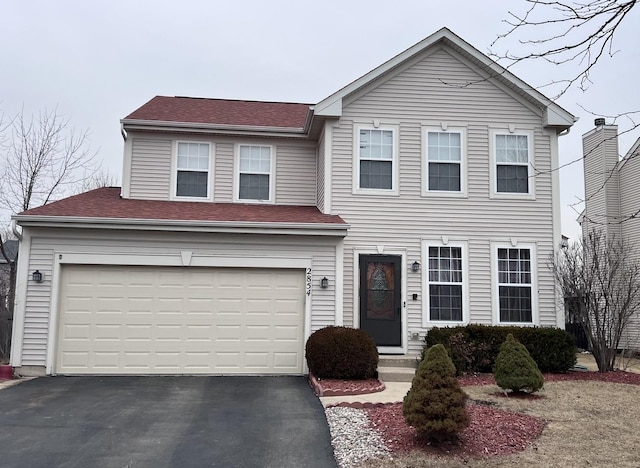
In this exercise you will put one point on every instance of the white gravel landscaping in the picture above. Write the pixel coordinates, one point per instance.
(352, 438)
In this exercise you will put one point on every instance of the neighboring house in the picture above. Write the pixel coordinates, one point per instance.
(11, 248)
(612, 197)
(422, 194)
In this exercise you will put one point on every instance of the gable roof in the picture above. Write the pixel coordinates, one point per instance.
(221, 113)
(105, 206)
(554, 115)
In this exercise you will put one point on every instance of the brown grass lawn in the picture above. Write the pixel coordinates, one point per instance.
(595, 424)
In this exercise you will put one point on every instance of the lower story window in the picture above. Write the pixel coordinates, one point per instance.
(445, 284)
(514, 285)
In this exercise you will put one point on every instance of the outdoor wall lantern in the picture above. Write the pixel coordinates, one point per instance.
(37, 276)
(415, 267)
(324, 283)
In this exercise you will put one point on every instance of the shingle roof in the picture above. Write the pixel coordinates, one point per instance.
(106, 203)
(222, 112)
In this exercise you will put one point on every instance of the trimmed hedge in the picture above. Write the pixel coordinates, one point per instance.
(341, 353)
(474, 348)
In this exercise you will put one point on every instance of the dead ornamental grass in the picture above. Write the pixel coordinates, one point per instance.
(589, 424)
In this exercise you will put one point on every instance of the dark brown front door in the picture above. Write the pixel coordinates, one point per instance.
(380, 308)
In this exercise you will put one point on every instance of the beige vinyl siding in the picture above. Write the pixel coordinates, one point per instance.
(601, 179)
(46, 244)
(629, 205)
(296, 174)
(223, 173)
(428, 93)
(320, 174)
(151, 167)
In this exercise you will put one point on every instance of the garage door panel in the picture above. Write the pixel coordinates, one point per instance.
(116, 320)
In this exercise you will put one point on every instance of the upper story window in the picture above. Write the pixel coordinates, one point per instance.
(255, 169)
(446, 299)
(444, 161)
(512, 160)
(376, 160)
(515, 285)
(192, 170)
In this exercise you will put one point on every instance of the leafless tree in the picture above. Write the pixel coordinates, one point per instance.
(41, 159)
(602, 280)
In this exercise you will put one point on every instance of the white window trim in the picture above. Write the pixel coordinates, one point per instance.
(426, 316)
(493, 167)
(494, 283)
(272, 174)
(174, 172)
(395, 129)
(425, 162)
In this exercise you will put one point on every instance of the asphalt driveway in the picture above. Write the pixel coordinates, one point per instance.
(163, 422)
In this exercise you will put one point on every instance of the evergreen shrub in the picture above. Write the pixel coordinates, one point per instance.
(515, 369)
(342, 353)
(435, 404)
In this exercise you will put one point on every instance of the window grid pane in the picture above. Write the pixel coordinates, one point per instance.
(444, 146)
(376, 174)
(193, 156)
(512, 179)
(445, 288)
(444, 177)
(376, 144)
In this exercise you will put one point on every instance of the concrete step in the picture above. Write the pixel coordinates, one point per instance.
(398, 361)
(396, 374)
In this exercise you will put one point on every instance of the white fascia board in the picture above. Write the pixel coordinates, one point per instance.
(556, 116)
(310, 229)
(130, 124)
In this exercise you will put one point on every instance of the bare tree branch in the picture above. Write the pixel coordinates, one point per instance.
(579, 34)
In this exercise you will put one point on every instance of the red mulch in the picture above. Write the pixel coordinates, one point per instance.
(335, 387)
(491, 432)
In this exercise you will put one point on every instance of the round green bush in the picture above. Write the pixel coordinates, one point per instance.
(342, 353)
(435, 404)
(515, 368)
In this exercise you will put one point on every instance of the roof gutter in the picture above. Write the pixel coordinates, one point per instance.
(289, 132)
(244, 227)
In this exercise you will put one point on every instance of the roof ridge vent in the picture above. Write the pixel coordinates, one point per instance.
(599, 122)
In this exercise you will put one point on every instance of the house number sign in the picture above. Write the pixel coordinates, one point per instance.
(308, 281)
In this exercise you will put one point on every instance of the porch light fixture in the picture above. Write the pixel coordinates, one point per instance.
(37, 276)
(324, 283)
(415, 267)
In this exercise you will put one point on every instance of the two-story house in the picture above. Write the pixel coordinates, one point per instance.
(612, 199)
(422, 194)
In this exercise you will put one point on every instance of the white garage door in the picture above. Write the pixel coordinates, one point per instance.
(166, 320)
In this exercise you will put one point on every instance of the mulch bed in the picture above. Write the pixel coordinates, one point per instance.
(335, 387)
(492, 431)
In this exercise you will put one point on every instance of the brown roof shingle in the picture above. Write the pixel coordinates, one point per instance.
(223, 112)
(106, 203)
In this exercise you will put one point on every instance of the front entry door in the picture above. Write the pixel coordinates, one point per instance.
(380, 307)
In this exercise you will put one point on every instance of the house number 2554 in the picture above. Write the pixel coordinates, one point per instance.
(308, 281)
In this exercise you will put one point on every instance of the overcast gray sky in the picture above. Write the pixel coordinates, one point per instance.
(97, 61)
